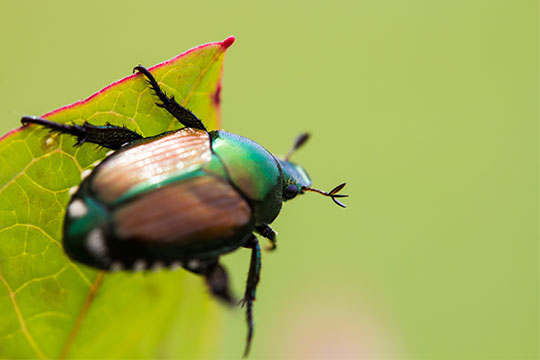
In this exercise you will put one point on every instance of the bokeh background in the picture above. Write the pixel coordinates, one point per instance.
(427, 109)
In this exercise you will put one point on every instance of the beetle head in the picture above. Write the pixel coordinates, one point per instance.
(296, 179)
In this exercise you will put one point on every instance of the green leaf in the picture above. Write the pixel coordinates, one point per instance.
(53, 308)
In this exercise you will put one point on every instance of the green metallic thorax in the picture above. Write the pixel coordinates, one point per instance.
(294, 174)
(253, 170)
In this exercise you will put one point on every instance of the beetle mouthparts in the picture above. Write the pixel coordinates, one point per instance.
(332, 193)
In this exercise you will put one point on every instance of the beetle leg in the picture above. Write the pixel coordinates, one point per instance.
(268, 233)
(216, 278)
(109, 136)
(218, 283)
(183, 115)
(251, 286)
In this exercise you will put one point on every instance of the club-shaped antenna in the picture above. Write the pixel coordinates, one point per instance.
(333, 193)
(300, 140)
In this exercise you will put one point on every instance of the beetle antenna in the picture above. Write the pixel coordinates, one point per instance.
(300, 140)
(333, 193)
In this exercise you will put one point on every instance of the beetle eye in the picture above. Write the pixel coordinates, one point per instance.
(290, 192)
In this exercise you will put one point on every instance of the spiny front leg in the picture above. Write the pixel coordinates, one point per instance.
(109, 136)
(251, 286)
(183, 115)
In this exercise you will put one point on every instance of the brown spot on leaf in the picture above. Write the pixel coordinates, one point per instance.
(216, 97)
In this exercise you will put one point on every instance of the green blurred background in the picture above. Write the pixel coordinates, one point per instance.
(427, 109)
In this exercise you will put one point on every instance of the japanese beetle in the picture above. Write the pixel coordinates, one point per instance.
(181, 198)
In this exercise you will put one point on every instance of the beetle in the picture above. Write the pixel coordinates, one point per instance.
(181, 198)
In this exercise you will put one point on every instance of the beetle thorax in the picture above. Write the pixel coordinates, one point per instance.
(253, 170)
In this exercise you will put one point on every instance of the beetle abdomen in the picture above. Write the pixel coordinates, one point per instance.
(199, 210)
(201, 217)
(150, 164)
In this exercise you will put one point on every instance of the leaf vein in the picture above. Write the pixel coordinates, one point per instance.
(33, 161)
(89, 298)
(32, 226)
(22, 323)
(38, 279)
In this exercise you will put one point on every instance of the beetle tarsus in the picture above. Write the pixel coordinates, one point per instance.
(249, 319)
(183, 115)
(109, 136)
(251, 286)
(74, 130)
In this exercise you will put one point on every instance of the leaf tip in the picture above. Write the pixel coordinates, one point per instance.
(227, 42)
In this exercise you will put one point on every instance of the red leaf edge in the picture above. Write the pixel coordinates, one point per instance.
(225, 44)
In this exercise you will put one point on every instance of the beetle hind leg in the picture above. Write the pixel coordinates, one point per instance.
(108, 136)
(215, 276)
(183, 115)
(218, 282)
(251, 286)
